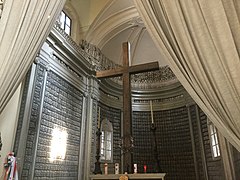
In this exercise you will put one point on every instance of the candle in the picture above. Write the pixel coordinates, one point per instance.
(116, 168)
(106, 168)
(98, 117)
(151, 111)
(135, 168)
(145, 168)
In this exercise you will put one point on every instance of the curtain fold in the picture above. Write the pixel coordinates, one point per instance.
(24, 26)
(201, 41)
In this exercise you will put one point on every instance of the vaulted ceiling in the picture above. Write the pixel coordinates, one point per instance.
(108, 23)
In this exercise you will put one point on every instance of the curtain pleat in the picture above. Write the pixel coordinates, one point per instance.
(200, 40)
(24, 26)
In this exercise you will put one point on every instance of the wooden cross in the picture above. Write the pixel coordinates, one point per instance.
(126, 72)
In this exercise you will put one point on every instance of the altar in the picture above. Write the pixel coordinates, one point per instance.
(138, 176)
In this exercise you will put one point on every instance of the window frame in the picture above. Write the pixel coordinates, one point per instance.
(214, 141)
(63, 24)
(106, 128)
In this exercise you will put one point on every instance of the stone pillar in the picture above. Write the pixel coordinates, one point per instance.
(92, 98)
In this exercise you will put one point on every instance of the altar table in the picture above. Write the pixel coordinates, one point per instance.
(138, 176)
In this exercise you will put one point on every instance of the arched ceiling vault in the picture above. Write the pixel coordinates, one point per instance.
(109, 23)
(123, 25)
(111, 26)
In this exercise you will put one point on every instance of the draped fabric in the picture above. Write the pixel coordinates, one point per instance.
(201, 41)
(24, 26)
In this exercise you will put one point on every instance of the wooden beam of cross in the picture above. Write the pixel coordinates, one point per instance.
(125, 71)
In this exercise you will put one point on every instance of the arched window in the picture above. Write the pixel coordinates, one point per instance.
(106, 141)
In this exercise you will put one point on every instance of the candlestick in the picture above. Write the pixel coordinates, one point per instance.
(157, 167)
(105, 168)
(99, 118)
(97, 169)
(151, 111)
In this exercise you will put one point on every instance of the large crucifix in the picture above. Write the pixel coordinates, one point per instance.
(126, 72)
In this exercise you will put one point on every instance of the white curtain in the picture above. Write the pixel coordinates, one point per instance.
(201, 41)
(24, 26)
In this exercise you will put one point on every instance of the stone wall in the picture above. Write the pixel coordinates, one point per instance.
(32, 133)
(21, 112)
(215, 169)
(197, 144)
(236, 162)
(207, 166)
(173, 143)
(58, 93)
(182, 141)
(56, 103)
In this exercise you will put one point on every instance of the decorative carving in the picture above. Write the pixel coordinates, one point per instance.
(173, 98)
(123, 177)
(126, 147)
(163, 74)
(136, 21)
(72, 43)
(147, 80)
(100, 61)
(67, 67)
(62, 106)
(152, 79)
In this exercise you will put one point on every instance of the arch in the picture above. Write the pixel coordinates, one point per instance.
(106, 146)
(106, 125)
(102, 31)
